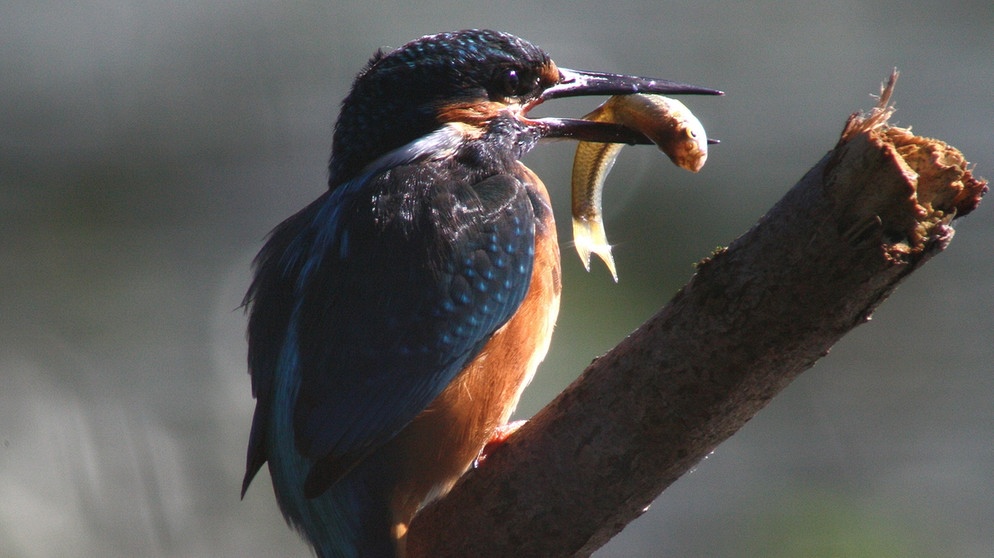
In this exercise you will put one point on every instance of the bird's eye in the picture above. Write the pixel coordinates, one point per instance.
(512, 82)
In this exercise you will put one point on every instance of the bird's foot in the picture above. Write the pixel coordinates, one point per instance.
(500, 436)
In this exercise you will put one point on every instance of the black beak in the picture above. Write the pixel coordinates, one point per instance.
(576, 83)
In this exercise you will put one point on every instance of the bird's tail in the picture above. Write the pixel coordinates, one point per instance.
(351, 519)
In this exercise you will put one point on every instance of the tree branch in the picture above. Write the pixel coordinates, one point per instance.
(752, 318)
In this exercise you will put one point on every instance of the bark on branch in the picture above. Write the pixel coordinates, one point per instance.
(752, 318)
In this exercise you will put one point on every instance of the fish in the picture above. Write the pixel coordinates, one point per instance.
(665, 121)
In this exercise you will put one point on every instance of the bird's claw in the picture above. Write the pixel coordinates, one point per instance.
(500, 436)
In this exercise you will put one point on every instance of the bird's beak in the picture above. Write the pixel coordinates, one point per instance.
(575, 83)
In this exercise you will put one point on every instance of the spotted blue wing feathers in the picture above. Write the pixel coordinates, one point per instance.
(387, 296)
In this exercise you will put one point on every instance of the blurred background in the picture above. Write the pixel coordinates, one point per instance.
(146, 148)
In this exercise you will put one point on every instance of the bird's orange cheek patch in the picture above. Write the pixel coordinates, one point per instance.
(550, 74)
(474, 114)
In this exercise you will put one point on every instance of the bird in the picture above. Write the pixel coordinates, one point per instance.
(394, 321)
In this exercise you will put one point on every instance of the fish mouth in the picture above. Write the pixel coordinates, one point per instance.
(581, 83)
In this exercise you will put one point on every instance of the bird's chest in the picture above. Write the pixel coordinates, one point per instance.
(444, 439)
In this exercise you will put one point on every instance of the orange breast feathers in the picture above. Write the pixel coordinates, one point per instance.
(444, 439)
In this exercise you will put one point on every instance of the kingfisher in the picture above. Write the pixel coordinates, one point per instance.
(395, 321)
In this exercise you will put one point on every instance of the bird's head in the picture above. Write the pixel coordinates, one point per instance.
(470, 78)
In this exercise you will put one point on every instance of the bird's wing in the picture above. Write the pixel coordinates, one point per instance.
(377, 299)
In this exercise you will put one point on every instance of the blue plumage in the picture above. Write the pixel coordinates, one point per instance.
(395, 320)
(368, 334)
